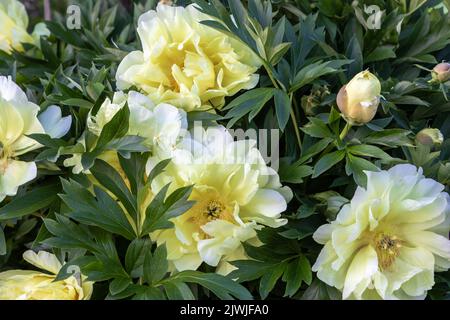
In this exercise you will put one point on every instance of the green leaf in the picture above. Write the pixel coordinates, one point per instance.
(317, 128)
(135, 255)
(36, 199)
(313, 150)
(326, 162)
(101, 211)
(381, 53)
(223, 287)
(294, 173)
(69, 235)
(282, 107)
(178, 291)
(159, 168)
(156, 265)
(3, 249)
(305, 269)
(114, 129)
(354, 52)
(150, 293)
(248, 270)
(269, 280)
(134, 168)
(366, 150)
(47, 141)
(75, 266)
(112, 180)
(297, 271)
(249, 102)
(320, 291)
(118, 285)
(76, 102)
(69, 36)
(356, 166)
(314, 71)
(160, 211)
(389, 137)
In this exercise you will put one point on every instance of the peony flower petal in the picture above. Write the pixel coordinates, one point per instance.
(53, 123)
(16, 174)
(360, 272)
(43, 260)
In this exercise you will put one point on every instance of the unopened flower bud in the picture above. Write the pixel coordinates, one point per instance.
(441, 72)
(358, 100)
(166, 2)
(430, 137)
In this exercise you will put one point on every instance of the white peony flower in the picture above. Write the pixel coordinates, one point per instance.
(236, 193)
(388, 242)
(54, 124)
(18, 118)
(162, 125)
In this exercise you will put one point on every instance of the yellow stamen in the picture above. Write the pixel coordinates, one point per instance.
(387, 248)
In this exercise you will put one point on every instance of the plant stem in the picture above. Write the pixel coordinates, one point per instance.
(341, 137)
(344, 132)
(294, 122)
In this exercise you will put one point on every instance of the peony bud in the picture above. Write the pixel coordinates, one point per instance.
(359, 99)
(430, 137)
(441, 72)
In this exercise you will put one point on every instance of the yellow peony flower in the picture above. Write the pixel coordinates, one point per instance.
(18, 118)
(358, 100)
(185, 63)
(13, 27)
(388, 242)
(235, 193)
(35, 285)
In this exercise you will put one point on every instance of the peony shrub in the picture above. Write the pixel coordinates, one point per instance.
(226, 149)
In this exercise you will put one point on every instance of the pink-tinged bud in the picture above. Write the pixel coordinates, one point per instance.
(358, 100)
(441, 72)
(430, 137)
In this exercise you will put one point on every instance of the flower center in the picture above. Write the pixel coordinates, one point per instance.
(387, 248)
(4, 156)
(214, 209)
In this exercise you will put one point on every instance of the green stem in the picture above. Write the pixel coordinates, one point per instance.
(295, 123)
(344, 132)
(341, 137)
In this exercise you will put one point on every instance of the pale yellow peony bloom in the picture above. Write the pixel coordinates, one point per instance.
(358, 100)
(236, 193)
(13, 27)
(18, 118)
(161, 125)
(185, 63)
(388, 242)
(35, 285)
